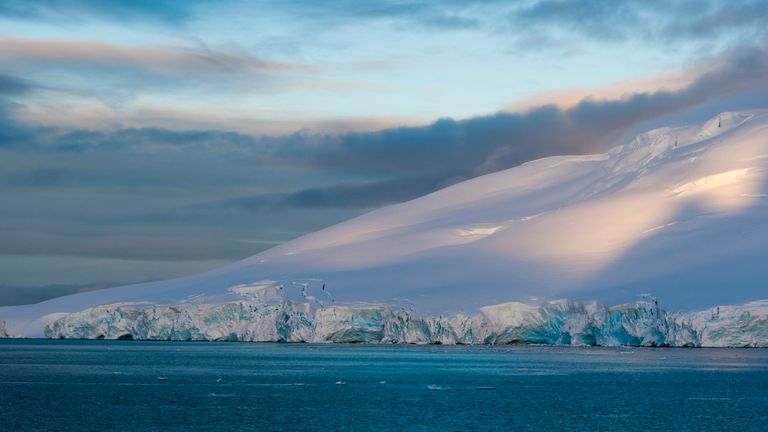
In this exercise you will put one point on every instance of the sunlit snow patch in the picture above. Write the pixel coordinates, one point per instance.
(478, 231)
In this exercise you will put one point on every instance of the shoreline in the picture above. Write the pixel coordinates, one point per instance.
(616, 348)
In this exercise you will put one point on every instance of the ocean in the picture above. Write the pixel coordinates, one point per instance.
(55, 385)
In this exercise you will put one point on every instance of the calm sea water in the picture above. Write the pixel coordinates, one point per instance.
(103, 385)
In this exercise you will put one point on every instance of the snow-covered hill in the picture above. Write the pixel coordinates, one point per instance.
(677, 213)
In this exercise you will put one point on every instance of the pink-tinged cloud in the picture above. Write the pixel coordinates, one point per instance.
(568, 98)
(158, 60)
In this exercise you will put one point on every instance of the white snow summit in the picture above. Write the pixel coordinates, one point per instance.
(677, 214)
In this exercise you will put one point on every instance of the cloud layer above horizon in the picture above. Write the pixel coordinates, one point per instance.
(144, 140)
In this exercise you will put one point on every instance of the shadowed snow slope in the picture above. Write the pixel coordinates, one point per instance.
(679, 213)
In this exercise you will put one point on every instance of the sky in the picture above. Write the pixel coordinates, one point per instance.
(148, 139)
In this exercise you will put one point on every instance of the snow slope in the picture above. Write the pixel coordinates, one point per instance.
(678, 213)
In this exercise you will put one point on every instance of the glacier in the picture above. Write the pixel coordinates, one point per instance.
(3, 334)
(642, 323)
(676, 213)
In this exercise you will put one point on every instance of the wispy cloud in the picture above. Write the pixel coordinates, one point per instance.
(27, 294)
(74, 11)
(14, 86)
(649, 21)
(164, 61)
(661, 21)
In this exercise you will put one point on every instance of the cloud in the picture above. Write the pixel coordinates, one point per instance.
(449, 150)
(91, 82)
(418, 14)
(417, 160)
(167, 12)
(445, 149)
(536, 25)
(12, 295)
(654, 20)
(346, 195)
(433, 15)
(593, 18)
(131, 247)
(646, 20)
(488, 143)
(10, 88)
(161, 61)
(14, 86)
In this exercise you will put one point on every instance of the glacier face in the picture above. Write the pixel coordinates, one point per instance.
(3, 334)
(730, 326)
(642, 323)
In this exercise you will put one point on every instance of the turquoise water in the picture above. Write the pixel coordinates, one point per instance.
(113, 385)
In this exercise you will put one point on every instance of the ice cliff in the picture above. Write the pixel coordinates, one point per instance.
(729, 326)
(3, 334)
(642, 323)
